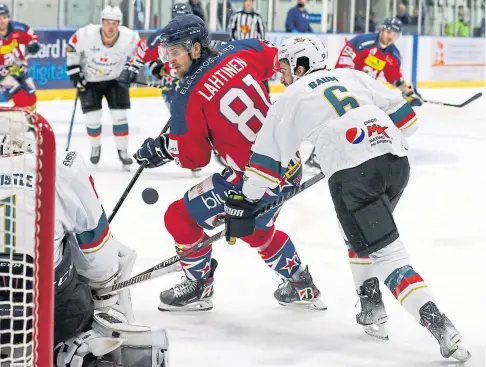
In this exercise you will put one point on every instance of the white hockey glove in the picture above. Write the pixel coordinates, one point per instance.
(119, 300)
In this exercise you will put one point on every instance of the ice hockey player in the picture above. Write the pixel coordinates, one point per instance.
(96, 55)
(221, 103)
(376, 55)
(358, 127)
(15, 82)
(147, 53)
(87, 258)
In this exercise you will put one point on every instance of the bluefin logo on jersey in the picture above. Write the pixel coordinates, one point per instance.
(17, 179)
(320, 81)
(355, 135)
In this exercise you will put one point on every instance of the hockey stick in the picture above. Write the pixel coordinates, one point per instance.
(465, 103)
(150, 85)
(168, 265)
(133, 180)
(72, 121)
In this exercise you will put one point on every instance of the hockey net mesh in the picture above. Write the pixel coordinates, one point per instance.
(27, 172)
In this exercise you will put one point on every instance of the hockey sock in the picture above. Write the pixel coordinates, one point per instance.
(392, 266)
(120, 128)
(187, 233)
(93, 127)
(277, 250)
(361, 268)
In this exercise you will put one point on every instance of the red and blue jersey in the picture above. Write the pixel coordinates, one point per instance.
(222, 104)
(10, 51)
(365, 53)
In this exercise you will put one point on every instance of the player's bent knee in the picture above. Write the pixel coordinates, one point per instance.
(180, 224)
(261, 238)
(363, 235)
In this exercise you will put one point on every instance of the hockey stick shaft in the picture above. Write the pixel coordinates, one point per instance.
(149, 85)
(133, 181)
(72, 121)
(465, 103)
(169, 265)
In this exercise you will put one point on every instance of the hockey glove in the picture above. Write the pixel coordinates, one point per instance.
(128, 75)
(413, 97)
(77, 77)
(33, 48)
(154, 151)
(240, 217)
(157, 69)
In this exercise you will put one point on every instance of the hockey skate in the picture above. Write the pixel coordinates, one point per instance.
(441, 328)
(190, 295)
(300, 292)
(125, 159)
(373, 315)
(95, 154)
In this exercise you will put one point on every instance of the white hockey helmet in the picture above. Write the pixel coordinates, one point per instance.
(305, 46)
(112, 13)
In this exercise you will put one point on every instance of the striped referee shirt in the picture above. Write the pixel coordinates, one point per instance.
(246, 25)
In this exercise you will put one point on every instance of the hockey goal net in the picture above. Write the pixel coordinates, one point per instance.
(27, 189)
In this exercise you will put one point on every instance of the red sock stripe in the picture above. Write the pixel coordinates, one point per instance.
(416, 278)
(354, 255)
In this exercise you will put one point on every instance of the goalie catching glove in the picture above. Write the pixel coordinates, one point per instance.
(240, 217)
(154, 151)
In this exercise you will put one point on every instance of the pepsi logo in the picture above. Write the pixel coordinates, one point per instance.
(355, 135)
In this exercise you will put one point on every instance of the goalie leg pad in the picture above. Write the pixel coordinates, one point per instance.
(142, 346)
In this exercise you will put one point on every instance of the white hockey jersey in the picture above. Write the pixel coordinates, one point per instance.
(78, 213)
(348, 116)
(99, 62)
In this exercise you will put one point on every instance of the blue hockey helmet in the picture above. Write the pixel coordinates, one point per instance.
(181, 9)
(4, 10)
(393, 24)
(182, 30)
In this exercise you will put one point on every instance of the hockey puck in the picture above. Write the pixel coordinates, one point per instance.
(150, 196)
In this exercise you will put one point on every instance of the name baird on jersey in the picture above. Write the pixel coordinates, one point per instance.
(17, 179)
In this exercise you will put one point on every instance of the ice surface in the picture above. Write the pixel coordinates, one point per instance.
(439, 217)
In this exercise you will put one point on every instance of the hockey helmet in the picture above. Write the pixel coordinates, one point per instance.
(181, 9)
(4, 10)
(393, 24)
(306, 50)
(112, 13)
(182, 30)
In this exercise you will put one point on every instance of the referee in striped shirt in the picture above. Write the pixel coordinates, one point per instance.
(247, 23)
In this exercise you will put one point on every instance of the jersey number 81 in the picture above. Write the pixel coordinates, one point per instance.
(243, 118)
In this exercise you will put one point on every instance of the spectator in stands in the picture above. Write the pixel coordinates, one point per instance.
(197, 8)
(403, 15)
(229, 13)
(360, 21)
(298, 19)
(458, 28)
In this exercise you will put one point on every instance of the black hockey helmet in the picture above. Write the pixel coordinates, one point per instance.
(181, 9)
(4, 10)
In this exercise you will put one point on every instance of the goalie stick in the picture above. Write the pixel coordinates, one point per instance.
(133, 181)
(463, 104)
(171, 264)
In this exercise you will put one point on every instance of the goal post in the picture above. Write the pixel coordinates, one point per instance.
(27, 217)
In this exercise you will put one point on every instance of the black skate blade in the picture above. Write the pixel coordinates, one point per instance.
(316, 305)
(197, 307)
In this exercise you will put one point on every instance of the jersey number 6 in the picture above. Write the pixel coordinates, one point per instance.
(340, 104)
(243, 118)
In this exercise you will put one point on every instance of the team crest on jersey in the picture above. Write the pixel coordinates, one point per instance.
(355, 135)
(245, 28)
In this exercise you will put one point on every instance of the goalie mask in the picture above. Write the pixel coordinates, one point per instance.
(307, 51)
(9, 146)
